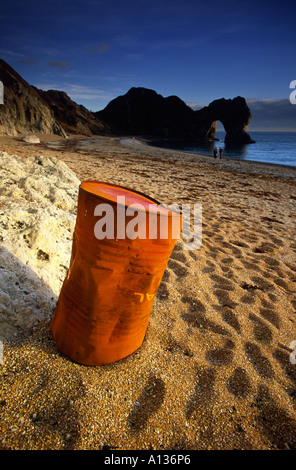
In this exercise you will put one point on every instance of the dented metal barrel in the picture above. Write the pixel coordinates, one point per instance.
(121, 245)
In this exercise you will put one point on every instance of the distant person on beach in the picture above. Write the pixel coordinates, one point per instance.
(220, 152)
(215, 151)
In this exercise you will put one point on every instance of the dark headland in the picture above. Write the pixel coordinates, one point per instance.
(139, 112)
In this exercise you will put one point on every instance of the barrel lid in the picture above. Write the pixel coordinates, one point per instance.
(115, 193)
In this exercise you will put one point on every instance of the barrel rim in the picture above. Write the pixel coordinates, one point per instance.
(170, 212)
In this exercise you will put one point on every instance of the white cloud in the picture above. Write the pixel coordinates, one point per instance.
(76, 91)
(5, 52)
(48, 86)
(195, 106)
(100, 48)
(86, 92)
(59, 64)
(267, 114)
(272, 114)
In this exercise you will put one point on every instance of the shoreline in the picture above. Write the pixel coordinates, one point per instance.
(214, 370)
(130, 141)
(225, 158)
(169, 141)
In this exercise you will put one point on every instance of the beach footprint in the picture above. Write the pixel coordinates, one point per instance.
(57, 416)
(238, 383)
(260, 363)
(146, 404)
(221, 356)
(204, 391)
(262, 333)
(196, 317)
(274, 422)
(178, 268)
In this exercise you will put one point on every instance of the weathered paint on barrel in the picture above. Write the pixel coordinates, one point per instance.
(106, 299)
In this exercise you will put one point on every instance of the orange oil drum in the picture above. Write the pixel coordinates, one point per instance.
(106, 299)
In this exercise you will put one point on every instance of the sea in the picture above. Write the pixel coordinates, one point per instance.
(269, 147)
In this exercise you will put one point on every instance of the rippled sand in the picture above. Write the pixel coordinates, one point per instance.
(216, 367)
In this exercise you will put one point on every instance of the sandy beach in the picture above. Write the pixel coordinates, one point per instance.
(215, 371)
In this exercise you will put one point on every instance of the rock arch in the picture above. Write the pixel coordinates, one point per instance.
(144, 112)
(235, 116)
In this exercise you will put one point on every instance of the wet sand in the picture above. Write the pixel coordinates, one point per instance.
(216, 367)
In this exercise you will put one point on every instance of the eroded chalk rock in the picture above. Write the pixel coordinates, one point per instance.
(31, 139)
(38, 198)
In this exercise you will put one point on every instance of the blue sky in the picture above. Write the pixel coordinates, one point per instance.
(96, 50)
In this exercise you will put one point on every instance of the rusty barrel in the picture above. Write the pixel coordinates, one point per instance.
(122, 242)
